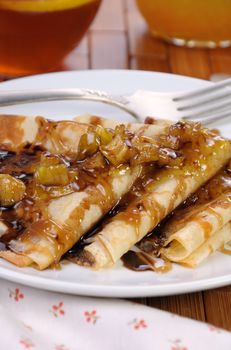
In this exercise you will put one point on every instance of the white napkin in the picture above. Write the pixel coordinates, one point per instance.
(40, 320)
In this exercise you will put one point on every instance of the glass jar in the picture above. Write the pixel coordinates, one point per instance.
(37, 35)
(193, 23)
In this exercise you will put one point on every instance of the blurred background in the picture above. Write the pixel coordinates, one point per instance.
(42, 35)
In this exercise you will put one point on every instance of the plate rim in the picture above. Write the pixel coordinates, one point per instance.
(115, 290)
(101, 290)
(109, 71)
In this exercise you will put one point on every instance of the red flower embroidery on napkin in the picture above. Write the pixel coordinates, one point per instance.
(138, 324)
(57, 310)
(16, 294)
(61, 347)
(177, 345)
(91, 316)
(26, 343)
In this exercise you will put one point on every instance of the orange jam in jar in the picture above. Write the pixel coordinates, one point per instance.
(193, 23)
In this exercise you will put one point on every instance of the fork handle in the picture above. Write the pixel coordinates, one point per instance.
(10, 98)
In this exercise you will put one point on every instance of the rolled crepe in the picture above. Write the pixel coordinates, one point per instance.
(149, 130)
(214, 243)
(66, 219)
(69, 217)
(187, 234)
(16, 259)
(16, 130)
(169, 189)
(58, 137)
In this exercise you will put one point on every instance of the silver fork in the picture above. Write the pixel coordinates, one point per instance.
(206, 105)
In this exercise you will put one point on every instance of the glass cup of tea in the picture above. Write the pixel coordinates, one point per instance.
(192, 23)
(37, 35)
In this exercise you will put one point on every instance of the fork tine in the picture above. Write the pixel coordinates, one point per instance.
(208, 111)
(215, 118)
(203, 91)
(208, 101)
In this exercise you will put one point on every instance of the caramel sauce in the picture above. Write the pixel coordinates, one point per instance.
(56, 266)
(22, 165)
(31, 208)
(11, 129)
(225, 251)
(181, 188)
(142, 130)
(129, 209)
(132, 217)
(206, 227)
(138, 261)
(30, 214)
(217, 215)
(94, 120)
(60, 238)
(84, 240)
(133, 261)
(150, 120)
(134, 202)
(219, 184)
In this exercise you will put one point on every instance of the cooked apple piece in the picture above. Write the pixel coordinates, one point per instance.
(11, 190)
(53, 175)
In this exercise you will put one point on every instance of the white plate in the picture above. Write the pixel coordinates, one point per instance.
(118, 281)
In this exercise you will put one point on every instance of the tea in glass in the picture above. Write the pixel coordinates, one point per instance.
(37, 35)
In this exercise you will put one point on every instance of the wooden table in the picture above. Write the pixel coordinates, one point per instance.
(119, 38)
